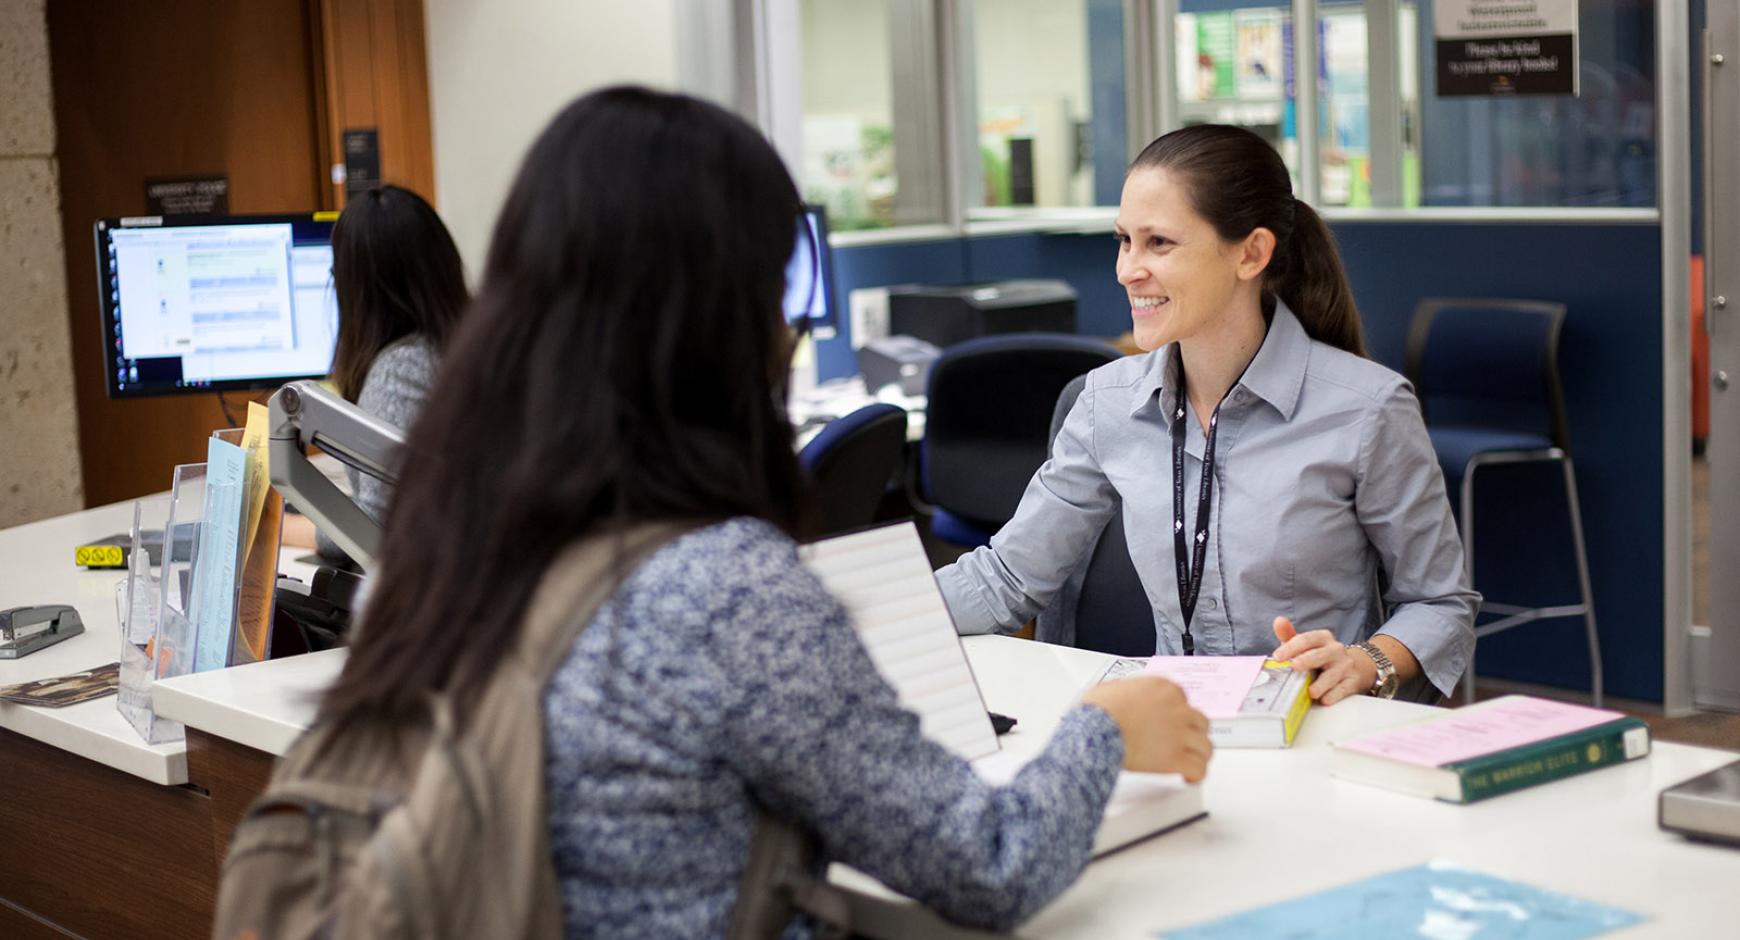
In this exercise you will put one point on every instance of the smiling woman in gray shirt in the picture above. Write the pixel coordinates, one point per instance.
(1322, 481)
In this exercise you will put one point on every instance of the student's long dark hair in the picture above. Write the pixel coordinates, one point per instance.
(626, 360)
(1238, 183)
(396, 273)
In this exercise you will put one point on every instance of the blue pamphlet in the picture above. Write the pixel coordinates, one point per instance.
(1435, 900)
(215, 574)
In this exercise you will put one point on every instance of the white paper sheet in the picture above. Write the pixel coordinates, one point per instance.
(883, 578)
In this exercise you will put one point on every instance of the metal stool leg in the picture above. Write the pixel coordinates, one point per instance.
(1467, 514)
(1583, 582)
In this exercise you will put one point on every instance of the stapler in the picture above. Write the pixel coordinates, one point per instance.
(24, 630)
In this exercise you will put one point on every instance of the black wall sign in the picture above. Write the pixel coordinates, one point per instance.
(1505, 47)
(188, 195)
(362, 161)
(1531, 65)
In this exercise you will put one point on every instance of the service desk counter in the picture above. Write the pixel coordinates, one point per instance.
(102, 835)
(1278, 826)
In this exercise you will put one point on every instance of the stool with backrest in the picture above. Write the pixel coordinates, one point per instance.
(988, 425)
(851, 462)
(1487, 375)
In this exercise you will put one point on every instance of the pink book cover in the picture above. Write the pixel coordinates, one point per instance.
(1215, 685)
(1512, 721)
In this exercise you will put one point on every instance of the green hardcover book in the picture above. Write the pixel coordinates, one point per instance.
(1492, 748)
(1566, 756)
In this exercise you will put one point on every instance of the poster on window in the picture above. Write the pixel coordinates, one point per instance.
(1259, 71)
(1500, 48)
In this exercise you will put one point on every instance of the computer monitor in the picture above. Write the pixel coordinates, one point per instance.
(198, 304)
(809, 276)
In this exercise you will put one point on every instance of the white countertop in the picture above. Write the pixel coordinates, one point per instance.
(262, 705)
(1280, 827)
(36, 567)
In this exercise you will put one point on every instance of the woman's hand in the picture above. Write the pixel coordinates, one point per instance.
(1162, 733)
(1341, 671)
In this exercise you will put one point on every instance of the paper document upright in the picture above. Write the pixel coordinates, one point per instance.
(883, 578)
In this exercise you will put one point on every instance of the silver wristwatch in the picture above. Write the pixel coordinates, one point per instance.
(1385, 686)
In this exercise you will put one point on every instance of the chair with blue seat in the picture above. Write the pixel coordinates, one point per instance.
(1487, 375)
(988, 425)
(851, 462)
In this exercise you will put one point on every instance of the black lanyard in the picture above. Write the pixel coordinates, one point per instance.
(1189, 558)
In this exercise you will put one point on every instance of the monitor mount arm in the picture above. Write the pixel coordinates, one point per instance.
(304, 414)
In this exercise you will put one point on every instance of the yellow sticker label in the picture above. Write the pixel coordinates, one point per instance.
(100, 556)
(326, 215)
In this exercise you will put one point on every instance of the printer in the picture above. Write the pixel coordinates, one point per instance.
(945, 315)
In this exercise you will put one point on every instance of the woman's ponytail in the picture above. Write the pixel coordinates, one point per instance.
(1313, 284)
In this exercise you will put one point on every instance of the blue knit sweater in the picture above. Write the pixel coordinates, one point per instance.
(722, 674)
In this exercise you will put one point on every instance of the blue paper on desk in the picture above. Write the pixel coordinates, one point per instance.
(215, 579)
(1439, 901)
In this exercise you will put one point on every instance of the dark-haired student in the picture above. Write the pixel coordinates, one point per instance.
(401, 289)
(626, 361)
(1320, 478)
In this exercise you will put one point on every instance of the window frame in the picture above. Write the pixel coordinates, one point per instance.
(935, 120)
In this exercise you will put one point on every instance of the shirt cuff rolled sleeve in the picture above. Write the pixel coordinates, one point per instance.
(1442, 644)
(970, 612)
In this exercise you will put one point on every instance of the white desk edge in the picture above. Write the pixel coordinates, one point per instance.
(37, 562)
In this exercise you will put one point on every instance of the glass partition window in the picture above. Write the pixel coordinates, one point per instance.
(1344, 106)
(1049, 77)
(848, 112)
(1596, 149)
(1044, 89)
(1379, 113)
(1408, 61)
(1235, 66)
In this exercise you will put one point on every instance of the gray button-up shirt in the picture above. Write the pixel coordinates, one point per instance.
(1325, 481)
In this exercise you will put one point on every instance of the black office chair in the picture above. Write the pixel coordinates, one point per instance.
(1102, 606)
(851, 462)
(987, 425)
(1487, 375)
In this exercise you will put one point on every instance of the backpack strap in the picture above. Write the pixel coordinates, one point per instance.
(777, 882)
(576, 584)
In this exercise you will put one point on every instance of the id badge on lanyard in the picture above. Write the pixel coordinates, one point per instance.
(1189, 554)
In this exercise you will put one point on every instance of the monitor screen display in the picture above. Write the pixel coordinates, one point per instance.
(809, 276)
(204, 304)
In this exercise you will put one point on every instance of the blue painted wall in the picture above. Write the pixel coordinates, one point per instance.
(1609, 275)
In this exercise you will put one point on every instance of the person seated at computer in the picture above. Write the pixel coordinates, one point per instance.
(1270, 475)
(626, 361)
(401, 291)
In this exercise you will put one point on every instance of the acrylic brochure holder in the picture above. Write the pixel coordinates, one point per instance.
(184, 613)
(137, 601)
